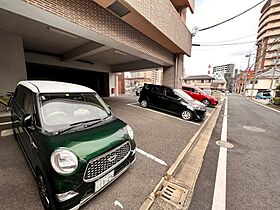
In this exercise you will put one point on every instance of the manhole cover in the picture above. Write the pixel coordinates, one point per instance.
(254, 129)
(224, 144)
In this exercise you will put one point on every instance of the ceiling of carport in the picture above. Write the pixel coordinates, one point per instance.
(115, 57)
(41, 38)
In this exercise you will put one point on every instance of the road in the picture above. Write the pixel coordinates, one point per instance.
(252, 165)
(160, 135)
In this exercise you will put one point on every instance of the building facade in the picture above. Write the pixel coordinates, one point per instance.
(242, 80)
(89, 42)
(201, 81)
(264, 81)
(227, 70)
(268, 39)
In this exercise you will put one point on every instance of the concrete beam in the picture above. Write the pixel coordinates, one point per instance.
(83, 51)
(135, 65)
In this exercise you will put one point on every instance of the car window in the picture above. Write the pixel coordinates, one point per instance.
(28, 103)
(170, 93)
(58, 111)
(157, 89)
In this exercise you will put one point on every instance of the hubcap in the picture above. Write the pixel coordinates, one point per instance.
(43, 192)
(206, 102)
(144, 103)
(186, 115)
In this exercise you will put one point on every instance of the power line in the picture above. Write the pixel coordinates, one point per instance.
(243, 37)
(225, 44)
(232, 17)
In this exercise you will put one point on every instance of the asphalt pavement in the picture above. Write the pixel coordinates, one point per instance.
(161, 135)
(252, 171)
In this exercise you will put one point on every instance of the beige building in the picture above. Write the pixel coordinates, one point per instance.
(268, 39)
(89, 42)
(263, 82)
(201, 81)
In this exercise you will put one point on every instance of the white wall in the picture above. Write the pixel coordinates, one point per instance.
(12, 62)
(113, 83)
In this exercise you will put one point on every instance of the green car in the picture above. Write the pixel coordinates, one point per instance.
(73, 143)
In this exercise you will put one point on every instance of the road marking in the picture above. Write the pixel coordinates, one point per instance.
(219, 198)
(7, 132)
(167, 115)
(5, 123)
(142, 152)
(118, 204)
(264, 106)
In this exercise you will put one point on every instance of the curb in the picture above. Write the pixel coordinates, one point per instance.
(168, 175)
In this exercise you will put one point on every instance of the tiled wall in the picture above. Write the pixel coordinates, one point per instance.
(90, 15)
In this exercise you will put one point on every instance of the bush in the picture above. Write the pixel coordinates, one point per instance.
(276, 100)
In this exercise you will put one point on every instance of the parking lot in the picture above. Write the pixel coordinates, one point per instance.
(160, 138)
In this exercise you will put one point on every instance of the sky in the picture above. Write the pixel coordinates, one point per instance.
(210, 12)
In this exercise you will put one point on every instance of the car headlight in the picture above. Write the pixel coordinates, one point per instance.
(64, 161)
(130, 131)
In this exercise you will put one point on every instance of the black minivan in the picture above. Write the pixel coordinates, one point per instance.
(175, 101)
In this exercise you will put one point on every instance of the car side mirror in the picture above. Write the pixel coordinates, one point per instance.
(179, 99)
(109, 107)
(28, 122)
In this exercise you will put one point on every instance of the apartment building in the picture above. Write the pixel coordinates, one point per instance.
(268, 39)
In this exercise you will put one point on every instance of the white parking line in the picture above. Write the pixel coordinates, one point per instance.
(142, 152)
(5, 123)
(219, 198)
(151, 110)
(7, 132)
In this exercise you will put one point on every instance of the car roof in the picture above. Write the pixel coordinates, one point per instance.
(44, 86)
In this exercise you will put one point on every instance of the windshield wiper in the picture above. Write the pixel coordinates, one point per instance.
(104, 118)
(76, 124)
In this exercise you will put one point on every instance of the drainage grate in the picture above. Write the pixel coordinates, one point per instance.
(254, 129)
(174, 194)
(224, 144)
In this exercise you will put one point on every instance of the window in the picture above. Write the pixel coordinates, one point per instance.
(19, 96)
(157, 89)
(202, 81)
(170, 93)
(28, 104)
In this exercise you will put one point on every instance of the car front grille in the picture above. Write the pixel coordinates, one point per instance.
(97, 167)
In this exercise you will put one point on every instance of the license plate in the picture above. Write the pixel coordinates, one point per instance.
(103, 181)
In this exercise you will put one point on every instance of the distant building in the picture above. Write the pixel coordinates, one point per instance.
(241, 80)
(226, 70)
(201, 81)
(263, 82)
(134, 79)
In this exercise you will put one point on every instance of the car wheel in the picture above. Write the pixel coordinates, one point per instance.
(206, 102)
(144, 103)
(187, 115)
(44, 192)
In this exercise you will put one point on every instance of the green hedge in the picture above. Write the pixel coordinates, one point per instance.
(276, 100)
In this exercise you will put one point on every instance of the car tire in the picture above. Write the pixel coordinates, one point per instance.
(144, 103)
(187, 115)
(206, 102)
(44, 192)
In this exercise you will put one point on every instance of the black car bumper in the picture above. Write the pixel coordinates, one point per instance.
(199, 114)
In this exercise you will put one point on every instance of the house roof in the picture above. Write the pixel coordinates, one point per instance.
(269, 74)
(198, 77)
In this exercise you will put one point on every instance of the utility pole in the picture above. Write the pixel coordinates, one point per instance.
(248, 66)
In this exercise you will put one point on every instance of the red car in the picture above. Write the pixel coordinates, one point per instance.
(198, 94)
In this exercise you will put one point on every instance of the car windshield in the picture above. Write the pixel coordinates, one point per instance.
(183, 95)
(61, 110)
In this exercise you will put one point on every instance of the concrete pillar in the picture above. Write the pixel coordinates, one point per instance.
(12, 61)
(173, 76)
